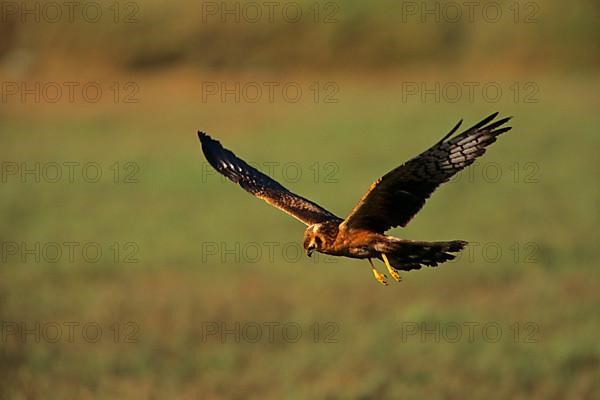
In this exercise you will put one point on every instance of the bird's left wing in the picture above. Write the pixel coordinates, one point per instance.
(396, 197)
(260, 185)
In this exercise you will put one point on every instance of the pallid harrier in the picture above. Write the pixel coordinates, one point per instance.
(391, 201)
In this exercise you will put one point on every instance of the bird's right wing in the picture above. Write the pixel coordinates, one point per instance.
(260, 185)
(397, 196)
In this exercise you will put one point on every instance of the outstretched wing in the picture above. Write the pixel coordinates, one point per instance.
(397, 196)
(260, 185)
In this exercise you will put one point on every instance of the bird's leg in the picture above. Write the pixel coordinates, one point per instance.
(378, 275)
(393, 272)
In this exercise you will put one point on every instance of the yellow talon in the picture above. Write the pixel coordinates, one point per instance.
(392, 271)
(378, 275)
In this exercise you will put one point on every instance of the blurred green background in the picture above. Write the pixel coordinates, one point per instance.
(183, 251)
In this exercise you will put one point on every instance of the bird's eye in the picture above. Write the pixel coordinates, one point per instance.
(318, 241)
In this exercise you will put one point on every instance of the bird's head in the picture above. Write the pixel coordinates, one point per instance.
(313, 239)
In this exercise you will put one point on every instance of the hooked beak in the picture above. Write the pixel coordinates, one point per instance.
(309, 251)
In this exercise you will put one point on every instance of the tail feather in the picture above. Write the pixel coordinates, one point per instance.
(407, 255)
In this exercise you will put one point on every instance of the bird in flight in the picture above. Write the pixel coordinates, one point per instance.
(392, 200)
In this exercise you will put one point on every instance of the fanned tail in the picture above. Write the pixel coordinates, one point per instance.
(407, 255)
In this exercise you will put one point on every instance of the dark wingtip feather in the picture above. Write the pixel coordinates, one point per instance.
(205, 138)
(485, 121)
(496, 124)
(501, 130)
(486, 125)
(458, 245)
(209, 145)
(452, 130)
(212, 149)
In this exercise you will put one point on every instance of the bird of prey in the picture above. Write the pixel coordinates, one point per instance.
(391, 201)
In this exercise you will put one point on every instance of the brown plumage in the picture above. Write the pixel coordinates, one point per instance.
(391, 201)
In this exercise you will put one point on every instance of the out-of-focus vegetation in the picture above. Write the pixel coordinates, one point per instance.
(306, 34)
(534, 196)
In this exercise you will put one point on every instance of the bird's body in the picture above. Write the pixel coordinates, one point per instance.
(336, 240)
(330, 238)
(391, 201)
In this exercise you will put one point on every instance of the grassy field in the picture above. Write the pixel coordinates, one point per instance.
(229, 35)
(187, 256)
